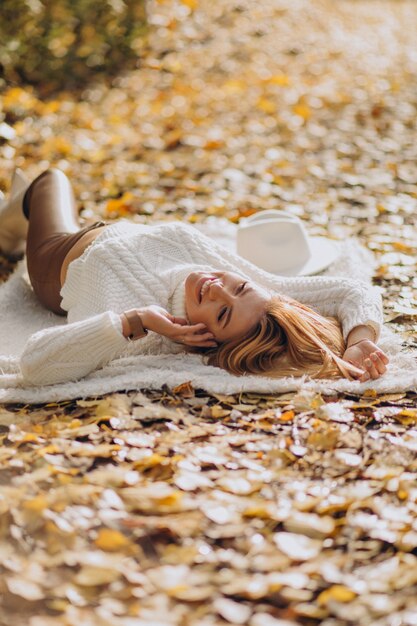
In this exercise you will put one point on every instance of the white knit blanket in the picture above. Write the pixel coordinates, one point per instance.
(21, 316)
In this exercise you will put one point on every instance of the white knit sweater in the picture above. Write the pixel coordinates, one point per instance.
(131, 265)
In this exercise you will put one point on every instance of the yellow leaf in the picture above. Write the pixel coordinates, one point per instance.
(234, 86)
(20, 128)
(97, 156)
(302, 110)
(29, 437)
(133, 609)
(287, 416)
(217, 411)
(265, 105)
(171, 500)
(45, 108)
(62, 146)
(173, 65)
(324, 439)
(56, 145)
(37, 504)
(65, 479)
(282, 80)
(90, 576)
(403, 247)
(338, 593)
(151, 461)
(57, 604)
(173, 591)
(406, 416)
(258, 510)
(17, 98)
(185, 390)
(382, 270)
(213, 144)
(120, 205)
(111, 540)
(191, 4)
(264, 424)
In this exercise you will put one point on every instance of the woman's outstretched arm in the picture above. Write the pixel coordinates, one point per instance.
(63, 353)
(354, 303)
(69, 352)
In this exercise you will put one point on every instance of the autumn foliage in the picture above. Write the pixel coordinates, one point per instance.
(66, 42)
(176, 507)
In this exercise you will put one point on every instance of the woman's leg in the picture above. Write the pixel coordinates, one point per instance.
(50, 207)
(54, 229)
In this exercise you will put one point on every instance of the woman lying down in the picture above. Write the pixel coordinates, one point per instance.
(134, 289)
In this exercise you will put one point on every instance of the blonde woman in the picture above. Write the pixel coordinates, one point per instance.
(135, 289)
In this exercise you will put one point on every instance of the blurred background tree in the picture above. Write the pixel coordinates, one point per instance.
(56, 44)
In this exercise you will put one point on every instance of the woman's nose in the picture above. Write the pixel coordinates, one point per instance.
(217, 291)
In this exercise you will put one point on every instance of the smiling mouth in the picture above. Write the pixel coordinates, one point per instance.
(203, 285)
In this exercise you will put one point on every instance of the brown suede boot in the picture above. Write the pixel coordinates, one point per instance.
(13, 223)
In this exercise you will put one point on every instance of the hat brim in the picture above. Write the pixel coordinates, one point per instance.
(323, 253)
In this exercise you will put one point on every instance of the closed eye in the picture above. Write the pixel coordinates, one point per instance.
(223, 311)
(222, 314)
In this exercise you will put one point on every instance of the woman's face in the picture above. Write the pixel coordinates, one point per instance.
(228, 304)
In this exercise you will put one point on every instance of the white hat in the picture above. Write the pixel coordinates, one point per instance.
(277, 242)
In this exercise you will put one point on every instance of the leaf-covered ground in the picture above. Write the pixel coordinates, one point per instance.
(173, 508)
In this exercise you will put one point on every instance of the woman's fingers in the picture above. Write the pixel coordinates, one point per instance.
(178, 329)
(200, 339)
(190, 331)
(181, 321)
(374, 364)
(382, 356)
(375, 367)
(206, 344)
(194, 328)
(355, 373)
(193, 336)
(378, 362)
(371, 369)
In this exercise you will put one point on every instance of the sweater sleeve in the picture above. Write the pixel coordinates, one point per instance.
(352, 302)
(64, 353)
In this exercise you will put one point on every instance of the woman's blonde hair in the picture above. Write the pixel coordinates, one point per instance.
(291, 339)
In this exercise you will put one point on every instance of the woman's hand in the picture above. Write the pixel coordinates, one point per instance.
(368, 357)
(177, 329)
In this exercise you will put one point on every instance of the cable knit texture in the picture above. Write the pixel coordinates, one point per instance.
(132, 265)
